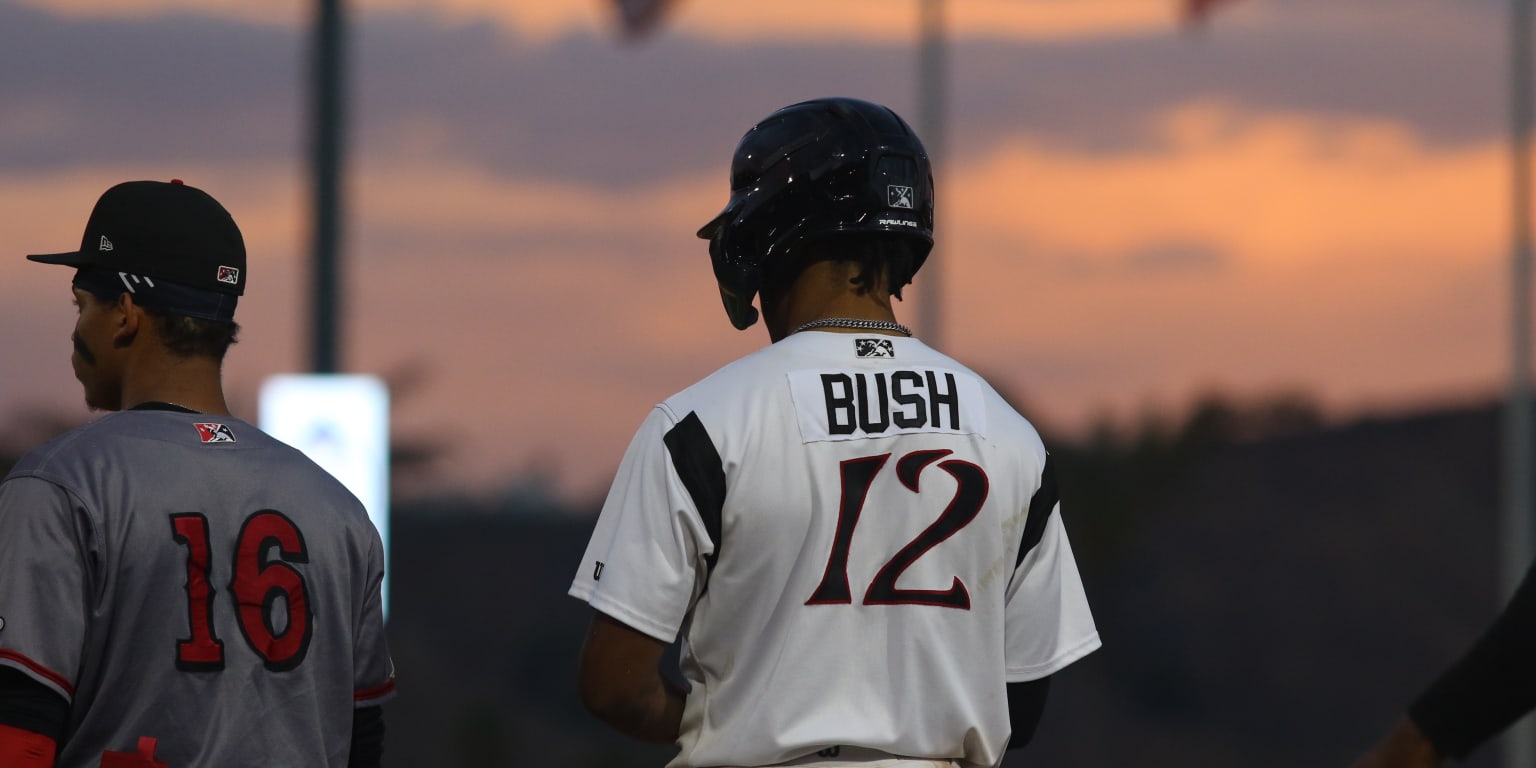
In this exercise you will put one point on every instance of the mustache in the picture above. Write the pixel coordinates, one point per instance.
(80, 349)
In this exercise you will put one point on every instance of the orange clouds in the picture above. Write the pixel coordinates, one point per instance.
(897, 21)
(801, 20)
(1272, 191)
(1246, 251)
(273, 12)
(1229, 249)
(1237, 250)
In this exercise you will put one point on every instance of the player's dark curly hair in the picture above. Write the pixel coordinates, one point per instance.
(195, 336)
(882, 256)
(878, 256)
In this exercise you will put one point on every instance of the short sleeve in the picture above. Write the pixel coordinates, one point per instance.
(374, 670)
(648, 546)
(42, 582)
(1049, 624)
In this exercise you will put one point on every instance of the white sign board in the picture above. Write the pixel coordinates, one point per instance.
(341, 422)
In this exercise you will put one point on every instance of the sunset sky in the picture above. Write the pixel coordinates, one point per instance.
(1309, 195)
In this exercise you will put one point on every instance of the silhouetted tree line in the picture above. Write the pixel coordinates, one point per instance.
(1119, 469)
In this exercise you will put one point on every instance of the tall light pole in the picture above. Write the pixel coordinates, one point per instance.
(931, 77)
(1516, 537)
(327, 153)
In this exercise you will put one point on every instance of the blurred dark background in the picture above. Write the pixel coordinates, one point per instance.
(1271, 589)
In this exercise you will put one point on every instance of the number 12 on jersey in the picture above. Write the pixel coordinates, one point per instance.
(857, 476)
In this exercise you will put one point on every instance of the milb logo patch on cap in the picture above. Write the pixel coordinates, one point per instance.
(229, 275)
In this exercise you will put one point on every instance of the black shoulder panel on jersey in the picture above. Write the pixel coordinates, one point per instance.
(698, 465)
(1041, 505)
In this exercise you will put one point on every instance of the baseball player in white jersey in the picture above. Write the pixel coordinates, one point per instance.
(178, 589)
(855, 537)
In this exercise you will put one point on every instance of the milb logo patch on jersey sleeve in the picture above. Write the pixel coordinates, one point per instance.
(856, 405)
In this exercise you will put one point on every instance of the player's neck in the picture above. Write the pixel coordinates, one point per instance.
(825, 291)
(190, 382)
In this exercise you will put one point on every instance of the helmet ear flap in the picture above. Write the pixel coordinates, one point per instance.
(739, 281)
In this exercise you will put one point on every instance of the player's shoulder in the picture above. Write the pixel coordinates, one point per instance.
(145, 438)
(67, 448)
(112, 430)
(731, 381)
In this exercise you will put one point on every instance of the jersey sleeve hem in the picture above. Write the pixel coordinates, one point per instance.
(38, 672)
(370, 697)
(622, 614)
(1025, 673)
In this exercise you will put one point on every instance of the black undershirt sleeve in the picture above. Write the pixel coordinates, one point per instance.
(367, 738)
(1490, 687)
(31, 706)
(1026, 702)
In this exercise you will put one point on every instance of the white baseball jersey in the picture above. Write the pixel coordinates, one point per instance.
(857, 539)
(186, 577)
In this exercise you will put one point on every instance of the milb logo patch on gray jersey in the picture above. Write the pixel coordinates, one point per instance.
(855, 405)
(214, 433)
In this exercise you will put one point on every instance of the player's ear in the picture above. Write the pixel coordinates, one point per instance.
(129, 318)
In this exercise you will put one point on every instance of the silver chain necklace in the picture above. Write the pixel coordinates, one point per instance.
(856, 323)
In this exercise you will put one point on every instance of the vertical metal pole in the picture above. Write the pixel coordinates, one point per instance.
(1516, 538)
(327, 148)
(930, 128)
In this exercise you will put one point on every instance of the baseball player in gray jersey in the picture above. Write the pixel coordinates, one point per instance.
(178, 589)
(855, 536)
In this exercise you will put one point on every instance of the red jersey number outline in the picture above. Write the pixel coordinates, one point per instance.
(257, 581)
(857, 475)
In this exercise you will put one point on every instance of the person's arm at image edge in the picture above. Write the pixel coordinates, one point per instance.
(1026, 704)
(1480, 695)
(621, 682)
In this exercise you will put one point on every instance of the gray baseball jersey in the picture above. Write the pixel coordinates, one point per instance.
(187, 577)
(859, 543)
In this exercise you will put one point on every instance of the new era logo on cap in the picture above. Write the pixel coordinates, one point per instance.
(106, 245)
(898, 196)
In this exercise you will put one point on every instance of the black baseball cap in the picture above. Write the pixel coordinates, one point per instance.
(172, 245)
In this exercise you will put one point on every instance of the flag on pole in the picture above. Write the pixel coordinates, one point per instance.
(637, 17)
(1195, 11)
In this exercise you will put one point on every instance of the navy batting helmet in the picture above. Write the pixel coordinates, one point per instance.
(818, 168)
